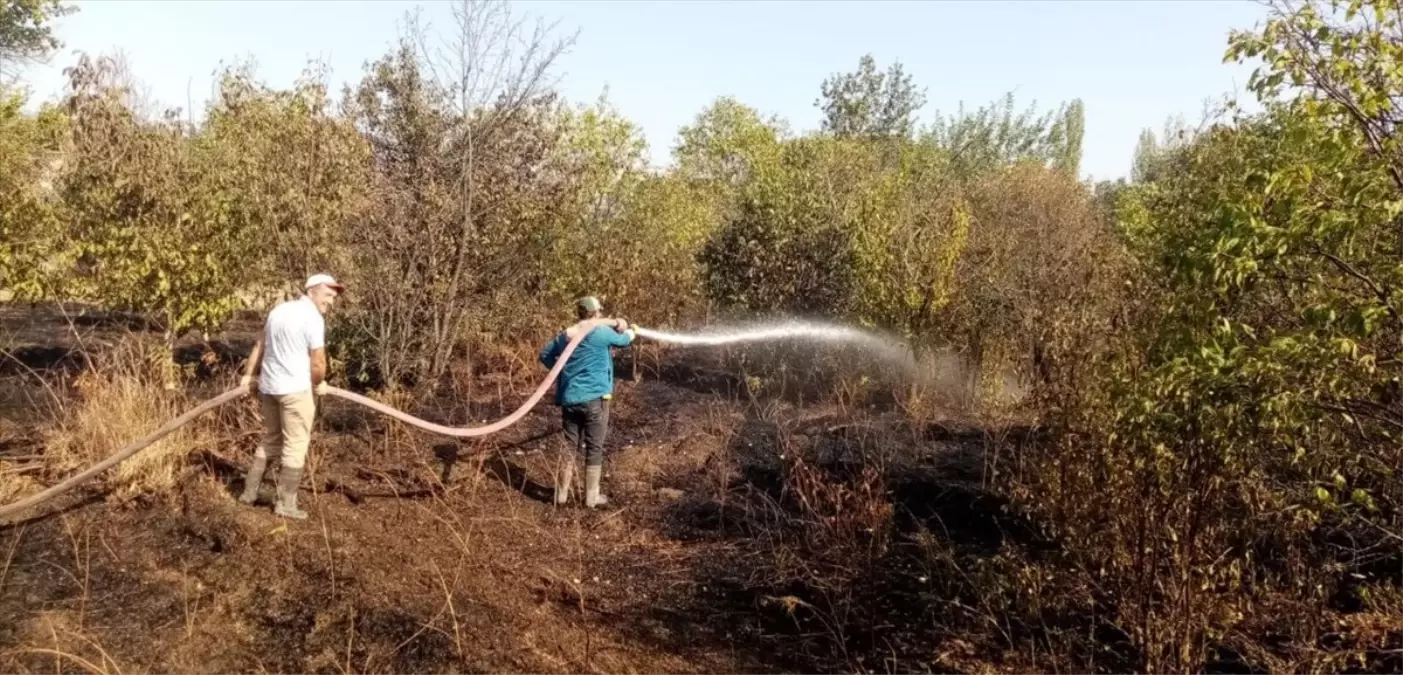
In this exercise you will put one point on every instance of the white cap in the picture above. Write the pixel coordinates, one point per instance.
(319, 279)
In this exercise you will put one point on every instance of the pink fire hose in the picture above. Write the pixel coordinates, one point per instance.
(575, 332)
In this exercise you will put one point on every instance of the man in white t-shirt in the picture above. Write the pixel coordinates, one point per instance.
(290, 361)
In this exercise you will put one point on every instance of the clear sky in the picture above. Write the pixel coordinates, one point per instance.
(1133, 62)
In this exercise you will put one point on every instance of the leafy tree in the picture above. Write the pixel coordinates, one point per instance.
(788, 247)
(1038, 260)
(911, 230)
(995, 135)
(408, 245)
(661, 234)
(26, 31)
(728, 143)
(301, 167)
(1329, 224)
(1348, 66)
(729, 151)
(30, 156)
(604, 156)
(1153, 153)
(1065, 137)
(626, 234)
(1260, 332)
(870, 104)
(151, 224)
(1142, 166)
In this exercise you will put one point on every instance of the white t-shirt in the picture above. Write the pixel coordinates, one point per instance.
(293, 330)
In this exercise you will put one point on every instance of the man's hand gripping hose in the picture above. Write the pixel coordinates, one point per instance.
(576, 333)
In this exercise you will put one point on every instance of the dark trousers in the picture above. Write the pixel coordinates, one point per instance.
(587, 423)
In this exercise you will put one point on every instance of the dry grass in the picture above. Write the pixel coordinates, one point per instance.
(17, 481)
(55, 640)
(132, 389)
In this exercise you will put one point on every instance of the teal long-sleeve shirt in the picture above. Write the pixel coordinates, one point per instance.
(589, 374)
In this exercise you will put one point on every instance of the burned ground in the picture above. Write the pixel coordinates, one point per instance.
(742, 535)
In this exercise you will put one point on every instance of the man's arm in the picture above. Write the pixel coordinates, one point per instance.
(318, 366)
(622, 335)
(316, 348)
(551, 352)
(253, 365)
(587, 325)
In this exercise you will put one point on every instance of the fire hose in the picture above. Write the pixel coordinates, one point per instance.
(575, 332)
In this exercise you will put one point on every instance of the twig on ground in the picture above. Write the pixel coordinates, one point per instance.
(10, 557)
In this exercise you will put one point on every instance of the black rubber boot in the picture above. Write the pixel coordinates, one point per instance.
(288, 480)
(253, 480)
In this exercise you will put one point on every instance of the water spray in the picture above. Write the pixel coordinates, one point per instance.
(888, 348)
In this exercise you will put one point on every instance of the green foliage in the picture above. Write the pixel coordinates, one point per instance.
(1223, 421)
(729, 145)
(159, 231)
(604, 155)
(890, 237)
(657, 279)
(1142, 168)
(910, 233)
(307, 166)
(629, 235)
(1346, 58)
(449, 219)
(29, 148)
(1251, 411)
(181, 223)
(789, 246)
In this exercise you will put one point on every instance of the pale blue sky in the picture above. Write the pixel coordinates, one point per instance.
(1133, 62)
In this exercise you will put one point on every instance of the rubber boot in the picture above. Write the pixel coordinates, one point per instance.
(564, 476)
(593, 499)
(288, 480)
(253, 480)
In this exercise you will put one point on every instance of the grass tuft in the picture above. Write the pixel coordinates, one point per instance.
(132, 389)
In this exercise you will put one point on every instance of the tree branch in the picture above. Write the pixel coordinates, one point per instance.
(1379, 291)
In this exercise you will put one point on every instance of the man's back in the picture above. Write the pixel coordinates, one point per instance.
(589, 373)
(293, 330)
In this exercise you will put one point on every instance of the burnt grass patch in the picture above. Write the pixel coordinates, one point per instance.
(921, 603)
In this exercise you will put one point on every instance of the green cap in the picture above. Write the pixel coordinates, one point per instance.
(589, 303)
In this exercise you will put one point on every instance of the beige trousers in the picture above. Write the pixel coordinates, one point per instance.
(287, 428)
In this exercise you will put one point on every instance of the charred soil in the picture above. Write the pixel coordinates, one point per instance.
(422, 554)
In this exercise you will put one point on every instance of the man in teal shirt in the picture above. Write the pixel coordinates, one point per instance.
(582, 391)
